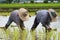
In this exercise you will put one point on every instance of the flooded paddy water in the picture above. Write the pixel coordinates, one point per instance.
(13, 32)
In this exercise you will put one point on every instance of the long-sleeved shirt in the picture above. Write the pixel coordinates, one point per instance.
(43, 17)
(14, 17)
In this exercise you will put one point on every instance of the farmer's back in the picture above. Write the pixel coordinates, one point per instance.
(41, 15)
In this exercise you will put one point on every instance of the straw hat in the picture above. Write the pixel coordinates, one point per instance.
(23, 14)
(53, 15)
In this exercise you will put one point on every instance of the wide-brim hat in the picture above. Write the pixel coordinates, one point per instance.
(53, 15)
(23, 14)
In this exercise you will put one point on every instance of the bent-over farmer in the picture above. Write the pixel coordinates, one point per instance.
(45, 17)
(18, 16)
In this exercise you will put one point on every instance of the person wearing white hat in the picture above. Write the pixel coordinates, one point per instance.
(18, 16)
(45, 17)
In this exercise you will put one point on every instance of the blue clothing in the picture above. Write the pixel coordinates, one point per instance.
(14, 17)
(43, 17)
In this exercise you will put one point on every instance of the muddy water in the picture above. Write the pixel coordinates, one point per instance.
(39, 30)
(29, 23)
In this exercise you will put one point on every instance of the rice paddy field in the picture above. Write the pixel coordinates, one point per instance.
(15, 33)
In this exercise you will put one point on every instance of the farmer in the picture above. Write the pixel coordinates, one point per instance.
(18, 16)
(45, 17)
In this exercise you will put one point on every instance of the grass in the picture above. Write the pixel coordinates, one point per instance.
(29, 5)
(4, 13)
(58, 13)
(8, 13)
(31, 13)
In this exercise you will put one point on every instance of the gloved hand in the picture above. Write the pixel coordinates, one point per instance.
(49, 29)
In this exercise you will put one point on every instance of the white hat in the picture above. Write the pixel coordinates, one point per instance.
(53, 15)
(23, 14)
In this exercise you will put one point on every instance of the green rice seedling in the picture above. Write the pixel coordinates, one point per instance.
(29, 36)
(58, 35)
(52, 33)
(23, 34)
(2, 34)
(15, 34)
(33, 35)
(48, 35)
(44, 35)
(41, 35)
(55, 35)
(7, 34)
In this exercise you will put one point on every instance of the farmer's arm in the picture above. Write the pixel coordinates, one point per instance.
(47, 26)
(35, 24)
(36, 21)
(22, 25)
(46, 22)
(9, 22)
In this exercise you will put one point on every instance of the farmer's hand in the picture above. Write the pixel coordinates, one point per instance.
(48, 28)
(22, 28)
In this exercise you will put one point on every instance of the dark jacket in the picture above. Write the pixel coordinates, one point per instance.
(43, 17)
(14, 17)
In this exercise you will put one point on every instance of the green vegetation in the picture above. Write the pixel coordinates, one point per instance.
(53, 5)
(15, 35)
(4, 13)
(8, 13)
(58, 13)
(58, 35)
(30, 7)
(31, 13)
(18, 34)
